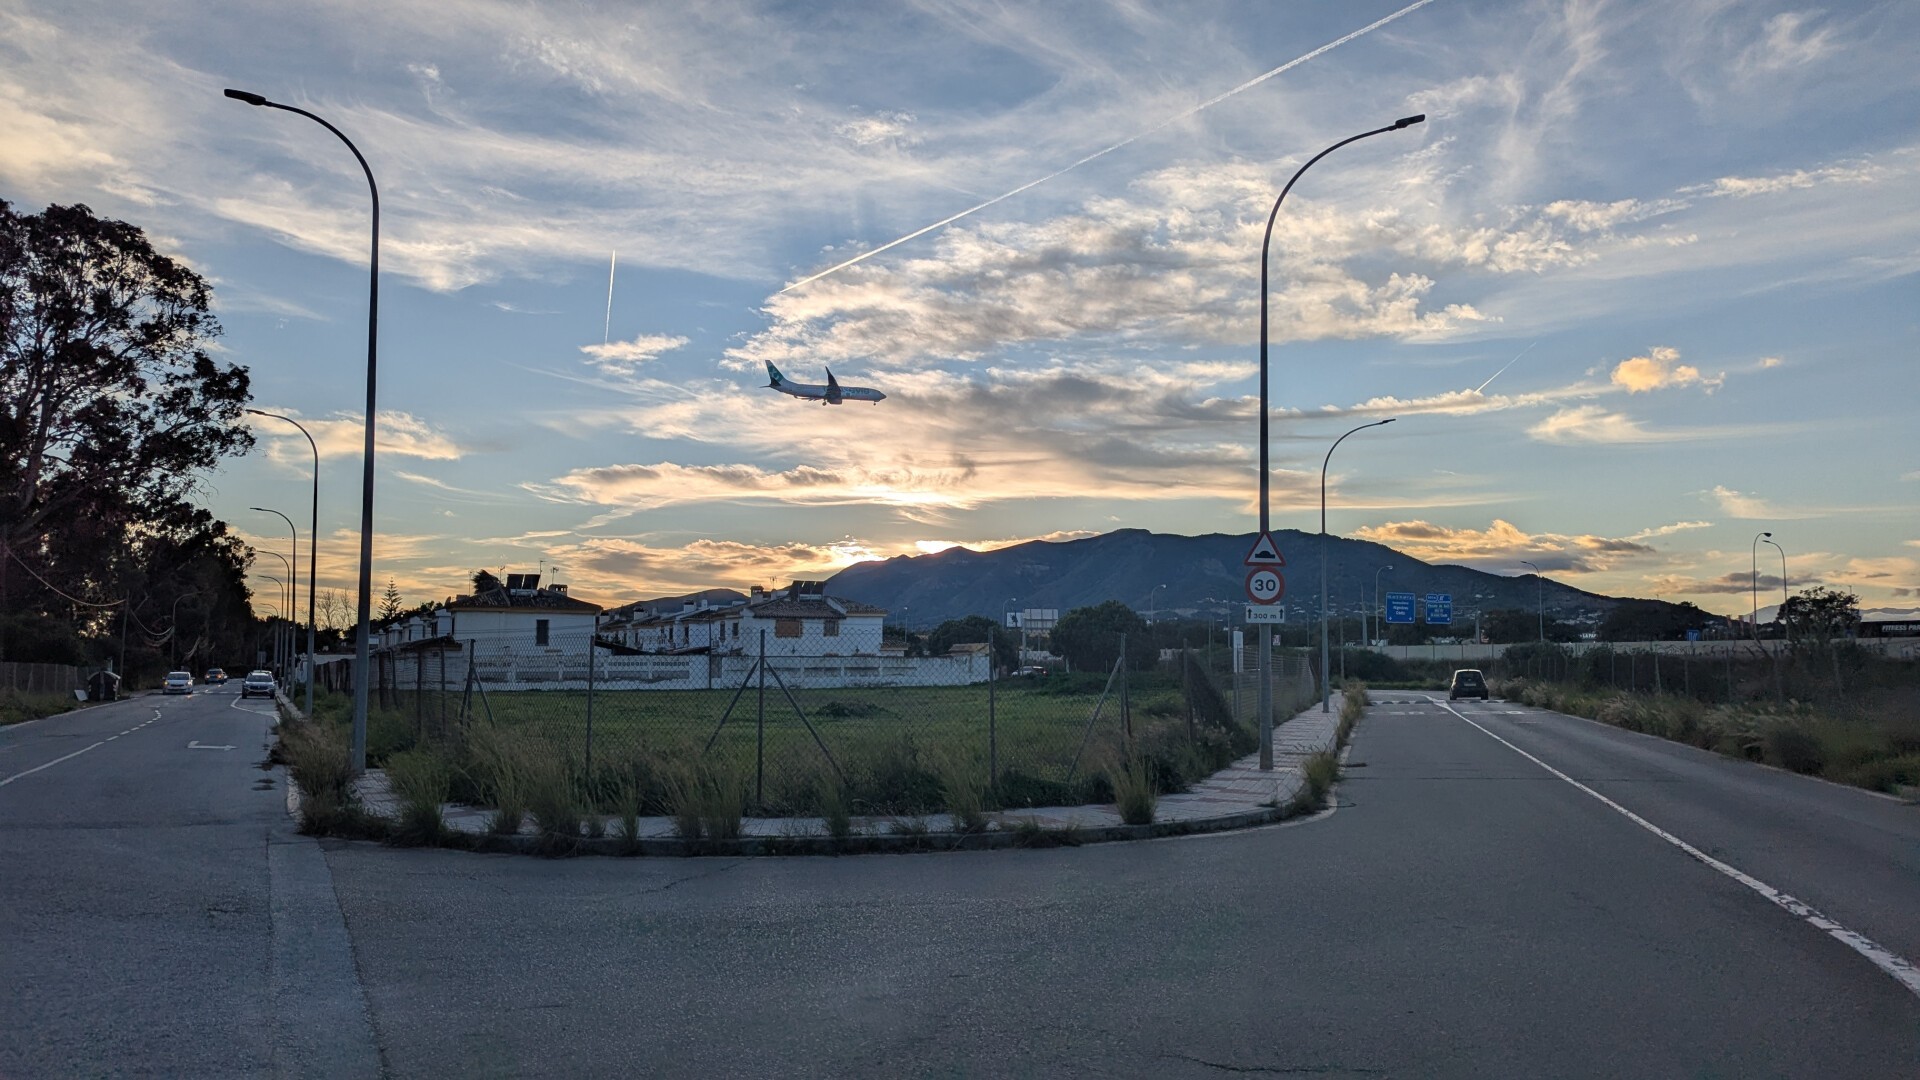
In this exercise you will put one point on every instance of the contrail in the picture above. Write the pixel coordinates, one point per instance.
(1509, 364)
(1135, 137)
(606, 329)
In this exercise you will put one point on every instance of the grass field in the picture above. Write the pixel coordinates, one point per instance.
(896, 749)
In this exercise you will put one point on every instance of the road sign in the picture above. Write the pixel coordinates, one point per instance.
(1265, 553)
(1400, 607)
(1265, 586)
(1439, 609)
(1693, 635)
(1257, 613)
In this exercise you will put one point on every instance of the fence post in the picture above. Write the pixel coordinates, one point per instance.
(1126, 702)
(993, 718)
(590, 647)
(760, 728)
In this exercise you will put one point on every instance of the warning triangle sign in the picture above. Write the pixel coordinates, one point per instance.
(1265, 552)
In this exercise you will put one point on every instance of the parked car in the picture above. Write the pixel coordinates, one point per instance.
(1468, 682)
(216, 677)
(177, 682)
(257, 684)
(1028, 672)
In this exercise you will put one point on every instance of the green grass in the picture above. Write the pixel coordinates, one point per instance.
(17, 706)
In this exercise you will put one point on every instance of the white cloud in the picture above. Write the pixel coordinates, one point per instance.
(344, 435)
(880, 129)
(1593, 424)
(622, 356)
(1660, 369)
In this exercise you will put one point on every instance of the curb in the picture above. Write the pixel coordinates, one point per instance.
(858, 844)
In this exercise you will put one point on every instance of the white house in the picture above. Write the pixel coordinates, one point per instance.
(801, 620)
(522, 621)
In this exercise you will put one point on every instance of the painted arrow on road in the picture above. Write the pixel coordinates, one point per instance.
(195, 745)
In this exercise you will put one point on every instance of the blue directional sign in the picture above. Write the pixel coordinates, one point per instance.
(1400, 607)
(1693, 635)
(1440, 609)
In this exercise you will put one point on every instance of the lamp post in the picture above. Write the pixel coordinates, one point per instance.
(362, 650)
(1540, 597)
(293, 576)
(1151, 609)
(1756, 581)
(1266, 242)
(286, 605)
(1781, 618)
(282, 606)
(313, 545)
(1323, 559)
(1376, 602)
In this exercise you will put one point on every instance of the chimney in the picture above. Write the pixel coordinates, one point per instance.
(758, 592)
(561, 589)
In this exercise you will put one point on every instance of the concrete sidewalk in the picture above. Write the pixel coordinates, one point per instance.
(1238, 796)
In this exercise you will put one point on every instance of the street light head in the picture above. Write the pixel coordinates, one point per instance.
(249, 98)
(1766, 534)
(1389, 419)
(1403, 122)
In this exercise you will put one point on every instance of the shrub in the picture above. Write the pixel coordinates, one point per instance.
(628, 807)
(832, 803)
(707, 798)
(1886, 774)
(1792, 747)
(1321, 770)
(421, 779)
(1133, 791)
(554, 799)
(964, 783)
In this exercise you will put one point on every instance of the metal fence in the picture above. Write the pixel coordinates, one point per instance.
(1714, 672)
(40, 678)
(792, 710)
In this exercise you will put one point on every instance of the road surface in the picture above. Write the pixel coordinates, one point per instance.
(1464, 912)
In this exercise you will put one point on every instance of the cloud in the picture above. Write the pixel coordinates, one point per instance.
(624, 356)
(344, 435)
(1593, 424)
(1660, 369)
(1745, 187)
(1788, 42)
(880, 129)
(1501, 545)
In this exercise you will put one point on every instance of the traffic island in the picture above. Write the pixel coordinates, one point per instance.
(1238, 797)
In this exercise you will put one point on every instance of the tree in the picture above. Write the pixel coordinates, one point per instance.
(111, 411)
(1650, 620)
(1090, 637)
(973, 629)
(1820, 614)
(390, 603)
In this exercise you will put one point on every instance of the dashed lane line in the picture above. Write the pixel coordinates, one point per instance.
(82, 750)
(1903, 970)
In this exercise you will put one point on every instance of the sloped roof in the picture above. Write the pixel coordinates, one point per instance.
(536, 600)
(828, 607)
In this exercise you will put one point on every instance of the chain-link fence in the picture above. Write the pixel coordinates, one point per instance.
(40, 678)
(794, 708)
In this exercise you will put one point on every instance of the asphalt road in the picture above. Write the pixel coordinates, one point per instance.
(1464, 912)
(161, 917)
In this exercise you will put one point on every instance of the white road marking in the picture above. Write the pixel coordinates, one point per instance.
(77, 753)
(194, 744)
(1903, 970)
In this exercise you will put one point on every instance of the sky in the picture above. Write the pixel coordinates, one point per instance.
(1642, 286)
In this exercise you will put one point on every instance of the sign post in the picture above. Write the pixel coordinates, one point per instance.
(1400, 608)
(1439, 609)
(1265, 587)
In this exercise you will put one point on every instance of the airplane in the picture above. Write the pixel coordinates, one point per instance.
(831, 394)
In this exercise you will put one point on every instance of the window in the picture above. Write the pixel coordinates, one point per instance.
(830, 628)
(786, 628)
(540, 631)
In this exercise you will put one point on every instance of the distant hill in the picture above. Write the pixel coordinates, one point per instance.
(1203, 576)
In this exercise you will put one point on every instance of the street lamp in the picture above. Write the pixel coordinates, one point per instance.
(313, 544)
(278, 632)
(1376, 601)
(1266, 242)
(293, 572)
(1540, 597)
(362, 650)
(1756, 581)
(1781, 618)
(1323, 559)
(1151, 609)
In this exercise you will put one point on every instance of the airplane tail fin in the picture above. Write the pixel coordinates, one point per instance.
(773, 375)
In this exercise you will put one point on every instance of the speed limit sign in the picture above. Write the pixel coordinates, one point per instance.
(1265, 586)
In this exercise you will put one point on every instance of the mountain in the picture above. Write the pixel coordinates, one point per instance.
(1203, 576)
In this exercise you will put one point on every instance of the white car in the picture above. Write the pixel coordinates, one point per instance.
(258, 683)
(177, 682)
